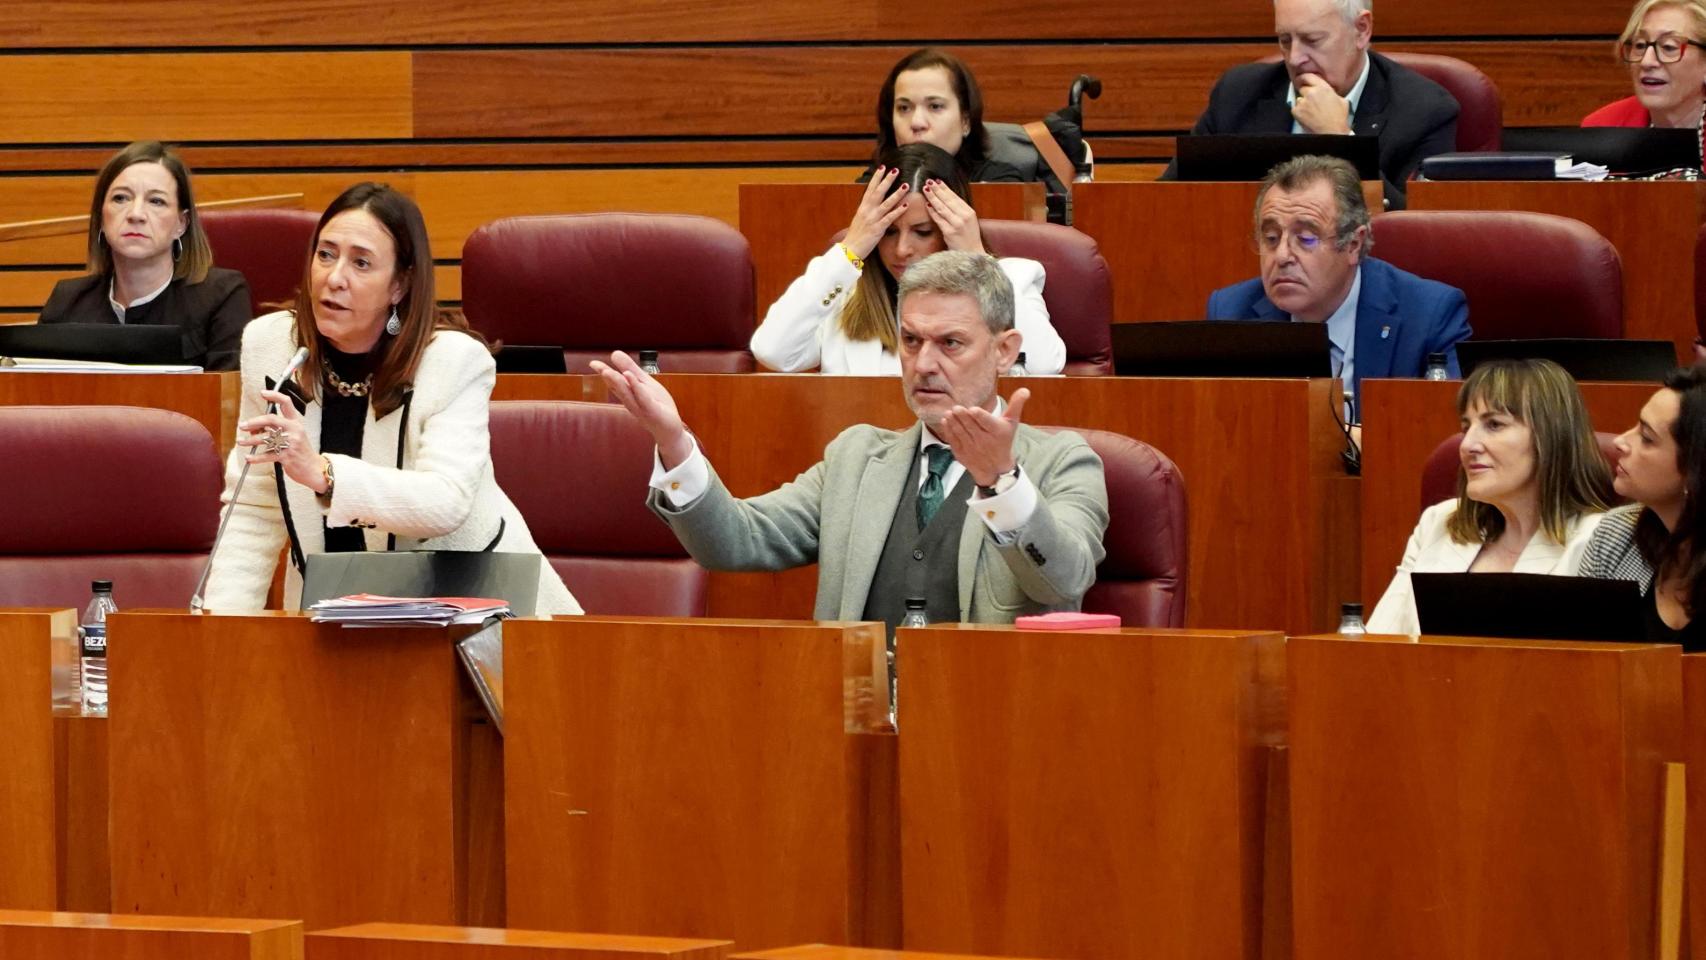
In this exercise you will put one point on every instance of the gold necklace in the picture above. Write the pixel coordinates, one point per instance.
(346, 389)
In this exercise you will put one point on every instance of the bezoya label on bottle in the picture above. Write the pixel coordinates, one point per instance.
(94, 639)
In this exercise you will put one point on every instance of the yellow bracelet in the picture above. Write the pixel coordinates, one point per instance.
(857, 263)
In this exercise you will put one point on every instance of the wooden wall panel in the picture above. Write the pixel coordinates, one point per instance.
(155, 23)
(205, 96)
(712, 91)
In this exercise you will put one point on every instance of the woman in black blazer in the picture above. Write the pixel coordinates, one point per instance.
(149, 261)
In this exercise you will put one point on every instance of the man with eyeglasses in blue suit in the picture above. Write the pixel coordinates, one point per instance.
(1313, 238)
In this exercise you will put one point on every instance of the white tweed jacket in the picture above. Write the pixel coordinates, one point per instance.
(443, 497)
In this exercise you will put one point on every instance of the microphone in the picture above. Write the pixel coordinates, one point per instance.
(197, 604)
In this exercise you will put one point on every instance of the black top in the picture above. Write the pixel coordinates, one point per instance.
(1692, 636)
(211, 314)
(342, 422)
(1414, 117)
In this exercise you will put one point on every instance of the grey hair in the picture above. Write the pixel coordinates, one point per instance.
(976, 275)
(1351, 9)
(1300, 172)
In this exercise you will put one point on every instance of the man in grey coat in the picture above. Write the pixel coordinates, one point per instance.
(981, 516)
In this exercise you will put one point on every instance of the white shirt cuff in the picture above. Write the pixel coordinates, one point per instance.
(1008, 510)
(687, 482)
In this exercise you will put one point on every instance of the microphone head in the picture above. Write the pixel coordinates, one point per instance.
(296, 361)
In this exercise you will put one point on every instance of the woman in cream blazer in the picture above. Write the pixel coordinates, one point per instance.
(381, 440)
(1532, 487)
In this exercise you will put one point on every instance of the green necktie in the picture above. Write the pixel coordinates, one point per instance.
(931, 495)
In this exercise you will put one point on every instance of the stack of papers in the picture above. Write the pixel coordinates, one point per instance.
(371, 610)
(1568, 169)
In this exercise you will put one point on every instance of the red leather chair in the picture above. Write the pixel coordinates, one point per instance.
(1078, 288)
(1526, 275)
(1142, 578)
(1480, 107)
(594, 283)
(1700, 283)
(269, 247)
(1439, 473)
(1481, 110)
(578, 474)
(127, 494)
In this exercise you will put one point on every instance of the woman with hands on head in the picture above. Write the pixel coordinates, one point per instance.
(840, 315)
(380, 441)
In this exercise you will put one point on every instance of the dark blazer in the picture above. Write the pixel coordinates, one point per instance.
(1401, 318)
(1414, 117)
(211, 313)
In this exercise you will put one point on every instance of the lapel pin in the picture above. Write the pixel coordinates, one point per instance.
(1385, 332)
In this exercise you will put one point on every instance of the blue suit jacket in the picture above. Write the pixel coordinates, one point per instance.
(1401, 318)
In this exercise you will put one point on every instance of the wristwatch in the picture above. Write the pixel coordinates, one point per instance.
(326, 471)
(1003, 483)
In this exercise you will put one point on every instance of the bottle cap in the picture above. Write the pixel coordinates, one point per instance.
(1350, 610)
(648, 356)
(102, 586)
(915, 603)
(1021, 360)
(1436, 359)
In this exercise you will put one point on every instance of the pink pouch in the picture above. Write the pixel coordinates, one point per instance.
(1067, 620)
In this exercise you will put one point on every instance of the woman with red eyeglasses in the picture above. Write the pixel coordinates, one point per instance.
(1662, 48)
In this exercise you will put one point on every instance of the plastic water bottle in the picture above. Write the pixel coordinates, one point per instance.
(914, 618)
(92, 637)
(1350, 620)
(649, 362)
(1018, 367)
(1436, 368)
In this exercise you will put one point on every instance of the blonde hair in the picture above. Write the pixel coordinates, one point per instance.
(1572, 474)
(1696, 8)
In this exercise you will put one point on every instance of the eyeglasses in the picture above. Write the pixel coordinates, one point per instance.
(1667, 49)
(1301, 241)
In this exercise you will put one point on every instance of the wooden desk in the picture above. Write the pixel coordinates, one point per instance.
(1694, 756)
(1652, 225)
(26, 935)
(1478, 798)
(1404, 421)
(787, 224)
(31, 640)
(821, 951)
(699, 778)
(408, 941)
(207, 398)
(1169, 245)
(1272, 518)
(268, 765)
(1095, 794)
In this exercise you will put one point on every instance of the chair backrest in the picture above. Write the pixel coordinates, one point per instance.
(1078, 287)
(578, 472)
(127, 494)
(269, 247)
(1526, 275)
(1480, 108)
(1439, 473)
(592, 283)
(1142, 578)
(1700, 283)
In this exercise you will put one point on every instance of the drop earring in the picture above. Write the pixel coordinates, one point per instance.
(177, 249)
(393, 326)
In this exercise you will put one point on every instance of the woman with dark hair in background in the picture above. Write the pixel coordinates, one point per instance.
(931, 96)
(149, 262)
(1531, 486)
(380, 441)
(839, 315)
(1655, 541)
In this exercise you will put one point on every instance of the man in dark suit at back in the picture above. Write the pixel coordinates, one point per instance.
(1330, 82)
(1313, 239)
